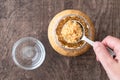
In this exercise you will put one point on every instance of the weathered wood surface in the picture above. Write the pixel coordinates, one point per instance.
(20, 18)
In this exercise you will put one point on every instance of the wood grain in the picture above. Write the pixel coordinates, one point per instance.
(20, 18)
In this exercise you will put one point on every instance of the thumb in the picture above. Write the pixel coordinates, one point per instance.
(102, 54)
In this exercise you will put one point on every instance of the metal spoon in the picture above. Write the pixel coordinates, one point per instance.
(92, 42)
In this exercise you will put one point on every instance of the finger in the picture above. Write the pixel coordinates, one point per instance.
(113, 43)
(103, 55)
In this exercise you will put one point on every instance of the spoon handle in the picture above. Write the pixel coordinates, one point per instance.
(111, 52)
(92, 42)
(88, 40)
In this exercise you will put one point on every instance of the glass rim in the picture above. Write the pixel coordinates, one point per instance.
(56, 38)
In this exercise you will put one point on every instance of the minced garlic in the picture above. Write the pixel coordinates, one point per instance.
(71, 31)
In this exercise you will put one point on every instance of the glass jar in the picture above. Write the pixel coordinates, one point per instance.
(56, 38)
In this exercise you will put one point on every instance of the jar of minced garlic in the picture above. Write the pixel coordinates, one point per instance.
(66, 29)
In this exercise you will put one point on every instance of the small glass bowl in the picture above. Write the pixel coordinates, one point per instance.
(28, 53)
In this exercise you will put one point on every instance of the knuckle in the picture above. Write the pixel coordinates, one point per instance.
(108, 37)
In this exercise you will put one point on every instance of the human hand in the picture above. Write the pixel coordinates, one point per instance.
(111, 66)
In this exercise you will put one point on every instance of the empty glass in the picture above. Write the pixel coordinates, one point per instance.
(28, 53)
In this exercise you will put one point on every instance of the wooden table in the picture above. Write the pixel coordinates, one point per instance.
(21, 18)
